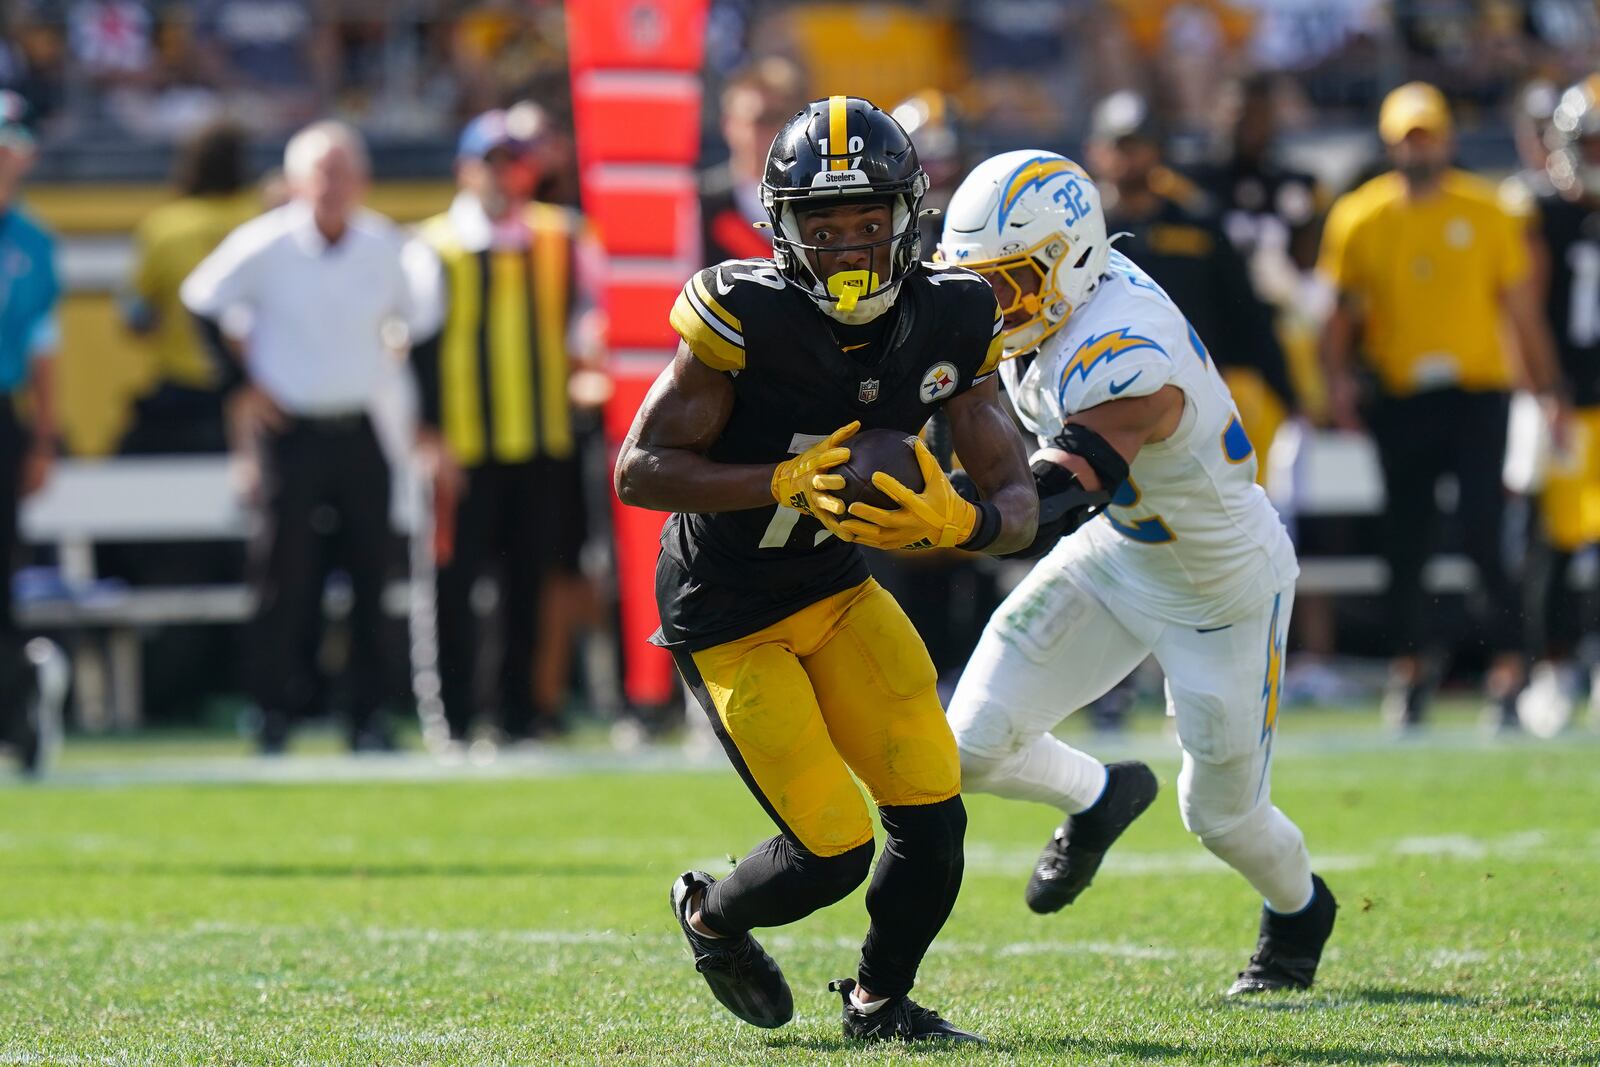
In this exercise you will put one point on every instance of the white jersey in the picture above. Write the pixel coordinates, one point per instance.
(1191, 538)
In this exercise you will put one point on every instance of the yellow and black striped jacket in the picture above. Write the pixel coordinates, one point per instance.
(494, 381)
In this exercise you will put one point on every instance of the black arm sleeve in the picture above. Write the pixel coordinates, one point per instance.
(1064, 505)
(230, 375)
(425, 365)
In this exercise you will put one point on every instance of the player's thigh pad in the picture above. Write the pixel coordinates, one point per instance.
(1222, 689)
(876, 685)
(772, 728)
(1051, 648)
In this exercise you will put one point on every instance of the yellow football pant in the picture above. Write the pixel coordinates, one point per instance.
(842, 685)
(1570, 502)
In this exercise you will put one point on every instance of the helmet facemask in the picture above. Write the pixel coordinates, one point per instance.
(852, 296)
(1030, 222)
(1047, 307)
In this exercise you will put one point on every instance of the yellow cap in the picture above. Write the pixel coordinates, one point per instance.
(1413, 106)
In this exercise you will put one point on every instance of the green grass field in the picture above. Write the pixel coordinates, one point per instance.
(521, 917)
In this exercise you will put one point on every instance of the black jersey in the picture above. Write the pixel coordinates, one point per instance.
(1572, 234)
(798, 375)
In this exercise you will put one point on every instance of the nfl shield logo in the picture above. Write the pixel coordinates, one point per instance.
(868, 391)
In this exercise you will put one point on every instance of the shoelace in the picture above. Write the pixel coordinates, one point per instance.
(1055, 852)
(1264, 957)
(736, 959)
(904, 1014)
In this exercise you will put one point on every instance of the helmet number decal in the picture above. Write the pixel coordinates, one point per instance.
(1070, 197)
(854, 147)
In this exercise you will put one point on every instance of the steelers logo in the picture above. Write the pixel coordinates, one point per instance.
(939, 382)
(1458, 233)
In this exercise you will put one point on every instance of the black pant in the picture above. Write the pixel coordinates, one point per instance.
(1419, 439)
(13, 445)
(505, 522)
(325, 482)
(1558, 616)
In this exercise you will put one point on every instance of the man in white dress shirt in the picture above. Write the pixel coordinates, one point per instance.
(332, 292)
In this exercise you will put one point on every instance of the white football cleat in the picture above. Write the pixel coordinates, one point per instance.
(1546, 704)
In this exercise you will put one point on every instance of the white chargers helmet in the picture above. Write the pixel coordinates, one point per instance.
(1023, 212)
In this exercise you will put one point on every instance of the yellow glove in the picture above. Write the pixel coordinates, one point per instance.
(792, 480)
(937, 517)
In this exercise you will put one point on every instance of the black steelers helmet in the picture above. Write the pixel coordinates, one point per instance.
(843, 148)
(1574, 123)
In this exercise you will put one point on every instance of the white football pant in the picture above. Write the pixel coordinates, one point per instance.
(1056, 645)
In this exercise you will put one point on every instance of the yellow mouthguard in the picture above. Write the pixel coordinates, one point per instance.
(849, 285)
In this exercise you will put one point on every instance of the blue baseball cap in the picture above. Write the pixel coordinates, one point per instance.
(518, 128)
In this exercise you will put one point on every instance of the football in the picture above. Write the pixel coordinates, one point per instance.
(889, 451)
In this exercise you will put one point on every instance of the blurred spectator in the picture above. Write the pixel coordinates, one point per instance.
(1030, 60)
(1172, 233)
(1268, 210)
(506, 50)
(37, 61)
(1187, 48)
(1530, 126)
(934, 123)
(756, 102)
(519, 346)
(180, 409)
(1568, 213)
(1430, 271)
(332, 290)
(111, 40)
(1569, 29)
(882, 51)
(29, 337)
(179, 406)
(271, 59)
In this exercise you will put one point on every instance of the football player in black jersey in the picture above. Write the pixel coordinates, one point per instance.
(807, 668)
(1568, 211)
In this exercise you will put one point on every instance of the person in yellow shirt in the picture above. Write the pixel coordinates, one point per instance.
(180, 409)
(1432, 276)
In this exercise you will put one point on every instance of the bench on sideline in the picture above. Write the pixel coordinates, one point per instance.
(144, 499)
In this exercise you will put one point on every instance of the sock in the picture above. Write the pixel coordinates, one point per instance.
(1049, 771)
(864, 1007)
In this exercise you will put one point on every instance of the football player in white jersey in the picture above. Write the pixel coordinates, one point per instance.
(1174, 551)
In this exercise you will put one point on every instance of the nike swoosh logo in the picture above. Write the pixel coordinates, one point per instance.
(864, 344)
(1118, 387)
(723, 287)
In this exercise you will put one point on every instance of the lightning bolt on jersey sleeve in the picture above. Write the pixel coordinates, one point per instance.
(1113, 364)
(706, 314)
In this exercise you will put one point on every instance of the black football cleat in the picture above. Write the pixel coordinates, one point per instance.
(901, 1019)
(1069, 862)
(1290, 946)
(742, 977)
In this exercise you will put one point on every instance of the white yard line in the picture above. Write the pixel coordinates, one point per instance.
(665, 943)
(557, 761)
